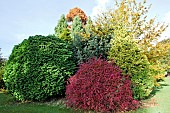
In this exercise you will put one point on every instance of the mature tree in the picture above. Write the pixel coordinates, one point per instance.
(62, 25)
(158, 58)
(132, 17)
(129, 24)
(76, 12)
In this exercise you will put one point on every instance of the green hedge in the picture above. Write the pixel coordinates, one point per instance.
(38, 67)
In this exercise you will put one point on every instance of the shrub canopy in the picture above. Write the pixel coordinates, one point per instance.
(126, 54)
(38, 68)
(100, 86)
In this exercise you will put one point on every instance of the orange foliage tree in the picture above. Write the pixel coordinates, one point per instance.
(76, 12)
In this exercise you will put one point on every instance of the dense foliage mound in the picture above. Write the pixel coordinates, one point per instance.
(85, 48)
(165, 61)
(129, 57)
(100, 86)
(38, 67)
(96, 47)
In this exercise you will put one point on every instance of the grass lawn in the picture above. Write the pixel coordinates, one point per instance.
(9, 105)
(159, 103)
(162, 98)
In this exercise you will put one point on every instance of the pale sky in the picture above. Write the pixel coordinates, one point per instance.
(20, 19)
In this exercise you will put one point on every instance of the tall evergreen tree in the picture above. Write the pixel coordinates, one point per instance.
(88, 26)
(62, 25)
(76, 27)
(88, 29)
(76, 31)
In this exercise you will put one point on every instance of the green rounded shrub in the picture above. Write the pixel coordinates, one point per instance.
(38, 67)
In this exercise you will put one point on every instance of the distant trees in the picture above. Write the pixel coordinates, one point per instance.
(165, 60)
(2, 64)
(1, 59)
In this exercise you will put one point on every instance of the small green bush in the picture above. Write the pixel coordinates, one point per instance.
(38, 67)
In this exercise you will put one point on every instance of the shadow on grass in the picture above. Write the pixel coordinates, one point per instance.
(157, 89)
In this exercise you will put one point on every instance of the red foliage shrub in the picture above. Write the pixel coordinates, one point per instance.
(99, 86)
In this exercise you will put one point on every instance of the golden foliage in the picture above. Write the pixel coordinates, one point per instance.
(131, 16)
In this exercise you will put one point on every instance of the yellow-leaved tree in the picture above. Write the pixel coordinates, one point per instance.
(133, 46)
(131, 16)
(165, 60)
